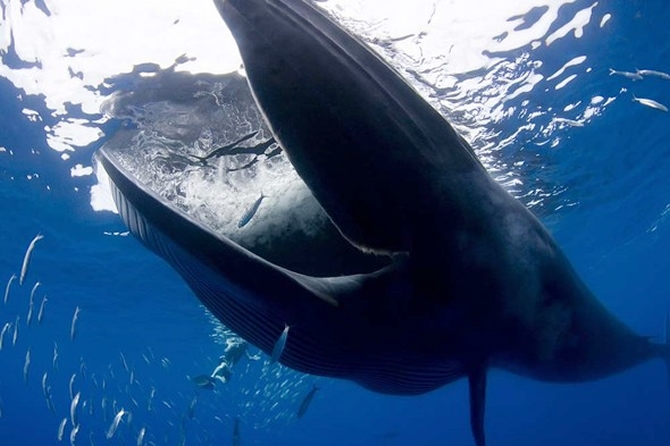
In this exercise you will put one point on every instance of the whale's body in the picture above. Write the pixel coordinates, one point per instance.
(476, 281)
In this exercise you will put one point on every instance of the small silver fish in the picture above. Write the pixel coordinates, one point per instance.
(32, 292)
(40, 314)
(123, 361)
(45, 386)
(191, 407)
(73, 409)
(54, 361)
(29, 316)
(140, 436)
(47, 393)
(73, 435)
(280, 344)
(26, 258)
(61, 429)
(9, 285)
(151, 399)
(5, 328)
(26, 365)
(651, 103)
(654, 73)
(115, 424)
(628, 74)
(246, 218)
(73, 326)
(71, 384)
(15, 336)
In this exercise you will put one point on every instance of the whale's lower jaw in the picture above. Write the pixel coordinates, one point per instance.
(322, 340)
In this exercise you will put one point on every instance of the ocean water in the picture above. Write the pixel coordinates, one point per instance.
(529, 84)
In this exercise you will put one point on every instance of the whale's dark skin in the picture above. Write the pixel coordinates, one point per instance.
(477, 282)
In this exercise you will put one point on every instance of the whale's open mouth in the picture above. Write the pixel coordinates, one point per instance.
(201, 145)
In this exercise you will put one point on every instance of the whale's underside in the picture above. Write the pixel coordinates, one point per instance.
(473, 280)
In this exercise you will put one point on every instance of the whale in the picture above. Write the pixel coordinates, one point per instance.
(473, 282)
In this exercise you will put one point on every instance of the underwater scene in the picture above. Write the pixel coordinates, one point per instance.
(334, 222)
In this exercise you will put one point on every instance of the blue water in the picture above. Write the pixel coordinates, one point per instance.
(614, 171)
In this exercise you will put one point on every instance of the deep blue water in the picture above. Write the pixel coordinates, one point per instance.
(616, 168)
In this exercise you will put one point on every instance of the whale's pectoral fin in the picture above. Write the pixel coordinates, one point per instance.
(477, 381)
(371, 150)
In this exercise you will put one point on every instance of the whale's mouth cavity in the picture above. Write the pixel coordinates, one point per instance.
(201, 144)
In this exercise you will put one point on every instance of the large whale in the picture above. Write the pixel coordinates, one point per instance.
(475, 281)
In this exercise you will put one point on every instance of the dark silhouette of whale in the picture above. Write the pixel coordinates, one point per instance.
(476, 281)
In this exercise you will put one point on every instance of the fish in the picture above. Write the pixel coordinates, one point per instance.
(32, 291)
(73, 435)
(5, 328)
(191, 407)
(27, 256)
(650, 103)
(636, 76)
(54, 361)
(71, 383)
(26, 366)
(654, 73)
(140, 436)
(473, 281)
(115, 423)
(40, 313)
(29, 316)
(7, 288)
(123, 361)
(150, 403)
(244, 166)
(61, 429)
(227, 148)
(45, 387)
(304, 405)
(246, 218)
(73, 326)
(73, 409)
(15, 336)
(280, 345)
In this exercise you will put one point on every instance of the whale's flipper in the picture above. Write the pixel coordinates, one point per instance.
(367, 145)
(477, 385)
